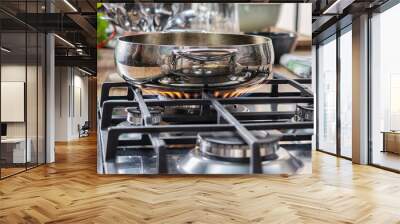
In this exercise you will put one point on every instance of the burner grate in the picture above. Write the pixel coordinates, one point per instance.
(223, 120)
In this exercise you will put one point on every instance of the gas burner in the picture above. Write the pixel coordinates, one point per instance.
(197, 109)
(304, 112)
(230, 146)
(195, 81)
(135, 118)
(196, 163)
(191, 87)
(227, 153)
(237, 108)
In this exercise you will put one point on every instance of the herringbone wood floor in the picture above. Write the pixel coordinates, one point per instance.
(70, 191)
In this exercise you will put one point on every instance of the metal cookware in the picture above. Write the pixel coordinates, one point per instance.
(145, 57)
(283, 42)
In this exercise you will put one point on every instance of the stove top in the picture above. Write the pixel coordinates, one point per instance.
(262, 132)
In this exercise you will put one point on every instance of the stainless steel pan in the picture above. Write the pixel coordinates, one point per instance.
(143, 57)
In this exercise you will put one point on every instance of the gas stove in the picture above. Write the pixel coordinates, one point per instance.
(257, 132)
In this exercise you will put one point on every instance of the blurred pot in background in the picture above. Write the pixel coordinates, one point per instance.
(284, 42)
(168, 17)
(257, 17)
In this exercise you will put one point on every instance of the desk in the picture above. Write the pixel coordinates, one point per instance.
(13, 150)
(391, 141)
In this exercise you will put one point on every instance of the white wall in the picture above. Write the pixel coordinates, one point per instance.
(286, 19)
(80, 109)
(61, 103)
(305, 21)
(70, 84)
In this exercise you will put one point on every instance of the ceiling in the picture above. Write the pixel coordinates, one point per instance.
(332, 15)
(72, 20)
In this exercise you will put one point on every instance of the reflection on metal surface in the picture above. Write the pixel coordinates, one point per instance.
(195, 163)
(228, 145)
(141, 58)
(184, 161)
(135, 117)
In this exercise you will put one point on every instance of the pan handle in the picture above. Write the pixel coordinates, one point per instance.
(206, 54)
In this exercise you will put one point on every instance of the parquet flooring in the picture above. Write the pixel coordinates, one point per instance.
(70, 191)
(7, 171)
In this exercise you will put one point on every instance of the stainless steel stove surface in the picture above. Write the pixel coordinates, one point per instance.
(263, 132)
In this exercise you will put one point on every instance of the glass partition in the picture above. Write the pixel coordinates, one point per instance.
(15, 150)
(31, 97)
(41, 96)
(22, 94)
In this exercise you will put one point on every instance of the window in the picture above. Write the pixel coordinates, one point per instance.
(346, 93)
(385, 89)
(333, 106)
(327, 96)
